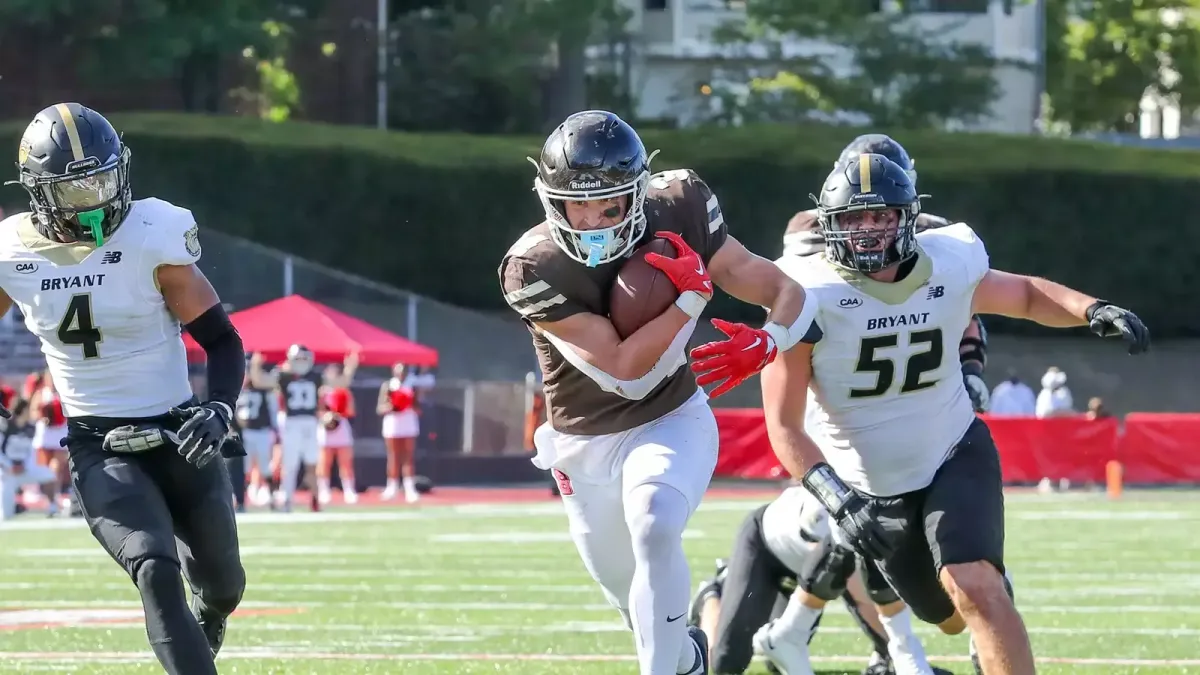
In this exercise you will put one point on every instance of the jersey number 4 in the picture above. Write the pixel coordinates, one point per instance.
(884, 368)
(78, 328)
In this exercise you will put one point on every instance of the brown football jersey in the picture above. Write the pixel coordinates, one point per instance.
(544, 285)
(803, 234)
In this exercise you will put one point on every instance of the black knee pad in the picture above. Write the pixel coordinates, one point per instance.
(156, 575)
(878, 589)
(828, 579)
(224, 597)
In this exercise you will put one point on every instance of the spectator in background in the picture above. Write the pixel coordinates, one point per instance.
(397, 403)
(334, 436)
(420, 379)
(1013, 397)
(50, 428)
(1096, 409)
(1054, 400)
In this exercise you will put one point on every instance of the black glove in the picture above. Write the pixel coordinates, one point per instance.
(977, 389)
(204, 431)
(872, 533)
(1108, 320)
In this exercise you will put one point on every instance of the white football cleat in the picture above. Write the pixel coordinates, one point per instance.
(788, 656)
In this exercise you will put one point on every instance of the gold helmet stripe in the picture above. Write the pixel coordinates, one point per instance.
(72, 131)
(864, 172)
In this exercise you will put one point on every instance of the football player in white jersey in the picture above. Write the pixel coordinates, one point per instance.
(105, 283)
(803, 237)
(908, 472)
(787, 564)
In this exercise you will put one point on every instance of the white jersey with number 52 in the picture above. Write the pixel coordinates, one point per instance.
(113, 348)
(887, 386)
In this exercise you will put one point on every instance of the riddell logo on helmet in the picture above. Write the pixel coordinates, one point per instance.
(584, 184)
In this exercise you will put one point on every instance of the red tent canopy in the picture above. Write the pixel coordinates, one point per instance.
(272, 327)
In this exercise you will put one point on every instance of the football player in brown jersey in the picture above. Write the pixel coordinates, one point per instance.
(630, 437)
(803, 238)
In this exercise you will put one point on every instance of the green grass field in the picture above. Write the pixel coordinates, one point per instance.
(1105, 587)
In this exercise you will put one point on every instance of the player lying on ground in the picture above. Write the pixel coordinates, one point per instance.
(630, 436)
(897, 456)
(785, 567)
(105, 282)
(804, 237)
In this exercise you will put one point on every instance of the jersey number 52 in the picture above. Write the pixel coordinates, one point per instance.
(917, 365)
(77, 327)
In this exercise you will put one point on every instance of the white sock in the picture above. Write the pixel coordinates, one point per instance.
(393, 484)
(797, 621)
(323, 484)
(902, 641)
(657, 515)
(410, 485)
(287, 477)
(347, 485)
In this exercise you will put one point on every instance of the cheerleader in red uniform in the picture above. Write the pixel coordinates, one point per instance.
(397, 404)
(335, 438)
(50, 427)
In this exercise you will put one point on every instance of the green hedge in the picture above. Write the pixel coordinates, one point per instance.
(434, 213)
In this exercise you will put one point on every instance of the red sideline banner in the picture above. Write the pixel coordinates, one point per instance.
(1075, 448)
(1160, 448)
(1154, 448)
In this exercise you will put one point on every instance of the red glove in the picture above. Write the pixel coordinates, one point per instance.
(686, 270)
(747, 351)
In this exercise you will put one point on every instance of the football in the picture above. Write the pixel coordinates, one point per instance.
(640, 291)
(330, 421)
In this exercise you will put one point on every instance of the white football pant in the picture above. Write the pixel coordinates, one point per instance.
(628, 497)
(299, 447)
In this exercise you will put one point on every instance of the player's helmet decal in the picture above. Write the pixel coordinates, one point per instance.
(593, 155)
(75, 168)
(868, 212)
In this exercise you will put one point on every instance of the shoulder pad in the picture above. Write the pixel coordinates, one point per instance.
(958, 241)
(532, 282)
(172, 236)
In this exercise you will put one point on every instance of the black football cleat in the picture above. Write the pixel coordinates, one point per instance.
(212, 624)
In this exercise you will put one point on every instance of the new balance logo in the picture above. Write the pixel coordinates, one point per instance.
(111, 258)
(935, 292)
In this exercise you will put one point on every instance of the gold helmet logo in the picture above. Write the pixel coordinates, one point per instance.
(23, 152)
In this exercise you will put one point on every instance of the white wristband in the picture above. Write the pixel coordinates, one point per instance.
(783, 340)
(692, 303)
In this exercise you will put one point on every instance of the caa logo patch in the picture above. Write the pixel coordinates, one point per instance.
(26, 268)
(847, 303)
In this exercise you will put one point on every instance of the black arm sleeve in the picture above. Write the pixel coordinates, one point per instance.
(222, 345)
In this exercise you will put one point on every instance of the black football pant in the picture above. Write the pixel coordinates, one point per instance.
(158, 515)
(958, 518)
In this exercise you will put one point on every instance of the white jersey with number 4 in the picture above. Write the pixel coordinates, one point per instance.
(113, 348)
(887, 386)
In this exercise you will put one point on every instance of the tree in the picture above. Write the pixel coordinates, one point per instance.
(895, 74)
(156, 39)
(1102, 56)
(492, 66)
